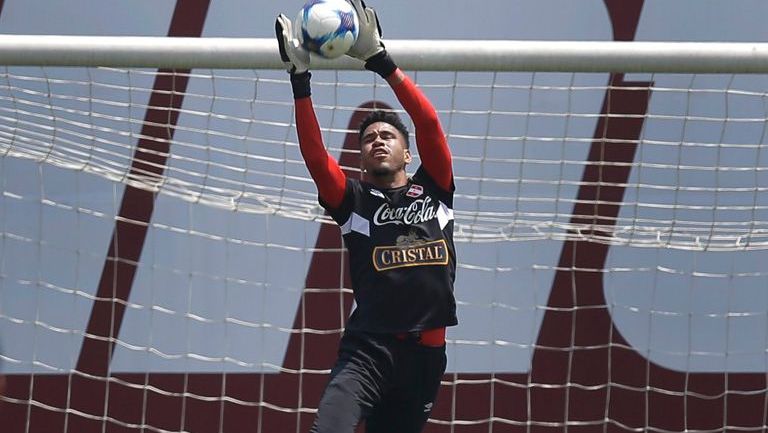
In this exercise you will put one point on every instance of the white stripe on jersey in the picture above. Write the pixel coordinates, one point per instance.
(356, 223)
(444, 214)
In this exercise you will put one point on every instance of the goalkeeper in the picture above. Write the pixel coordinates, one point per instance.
(399, 233)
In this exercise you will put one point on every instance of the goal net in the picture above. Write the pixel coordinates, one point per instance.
(165, 265)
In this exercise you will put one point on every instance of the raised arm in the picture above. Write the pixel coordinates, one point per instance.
(324, 169)
(430, 139)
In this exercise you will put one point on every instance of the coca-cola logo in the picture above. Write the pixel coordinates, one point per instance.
(416, 212)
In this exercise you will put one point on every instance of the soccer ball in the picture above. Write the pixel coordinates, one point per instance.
(327, 27)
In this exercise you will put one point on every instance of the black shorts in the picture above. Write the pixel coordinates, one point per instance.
(388, 382)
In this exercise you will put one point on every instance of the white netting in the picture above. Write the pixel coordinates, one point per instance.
(236, 218)
(696, 182)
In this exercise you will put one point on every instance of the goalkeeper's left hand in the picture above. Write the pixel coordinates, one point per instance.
(368, 42)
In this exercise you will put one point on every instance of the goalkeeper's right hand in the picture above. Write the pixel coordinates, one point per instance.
(368, 42)
(295, 57)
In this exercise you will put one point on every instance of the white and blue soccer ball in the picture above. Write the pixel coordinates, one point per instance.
(327, 27)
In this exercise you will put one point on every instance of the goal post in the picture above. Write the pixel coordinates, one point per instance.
(165, 264)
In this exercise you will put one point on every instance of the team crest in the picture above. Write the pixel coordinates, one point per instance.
(415, 191)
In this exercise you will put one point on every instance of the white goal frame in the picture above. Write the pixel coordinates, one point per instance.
(430, 55)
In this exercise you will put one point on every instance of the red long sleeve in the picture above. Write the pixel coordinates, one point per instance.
(430, 139)
(324, 169)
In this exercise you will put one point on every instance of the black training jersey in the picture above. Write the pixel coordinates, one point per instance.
(402, 257)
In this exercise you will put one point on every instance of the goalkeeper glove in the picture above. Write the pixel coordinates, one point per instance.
(369, 47)
(368, 42)
(295, 57)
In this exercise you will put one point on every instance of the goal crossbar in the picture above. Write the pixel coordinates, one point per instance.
(428, 55)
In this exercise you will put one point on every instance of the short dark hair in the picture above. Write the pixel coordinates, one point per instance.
(387, 117)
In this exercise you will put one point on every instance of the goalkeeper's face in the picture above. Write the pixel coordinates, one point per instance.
(383, 150)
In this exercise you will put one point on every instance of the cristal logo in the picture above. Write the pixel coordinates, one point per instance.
(418, 211)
